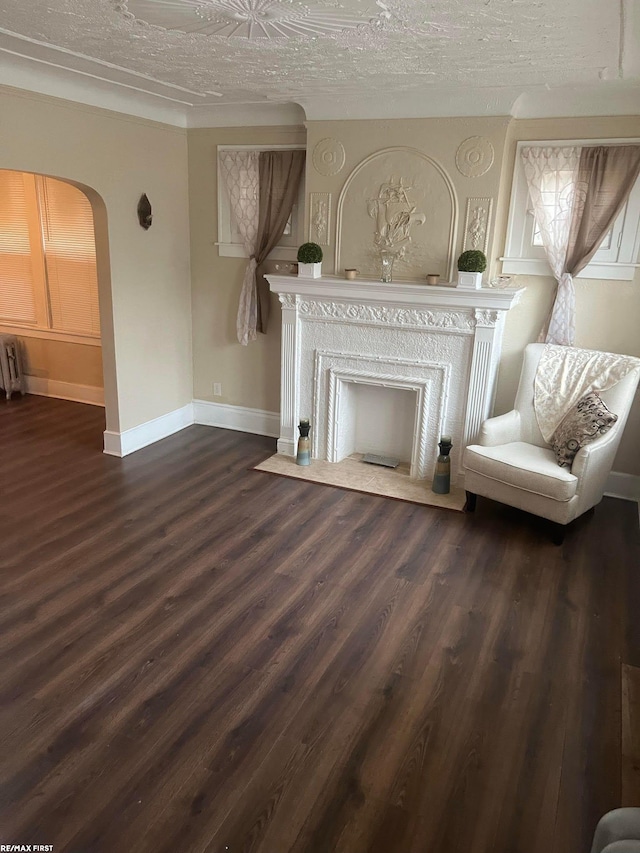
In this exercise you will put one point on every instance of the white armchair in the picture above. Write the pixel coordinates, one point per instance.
(618, 832)
(512, 463)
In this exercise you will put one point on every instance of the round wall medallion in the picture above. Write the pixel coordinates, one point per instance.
(328, 156)
(474, 157)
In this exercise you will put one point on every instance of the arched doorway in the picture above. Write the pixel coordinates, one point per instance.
(55, 287)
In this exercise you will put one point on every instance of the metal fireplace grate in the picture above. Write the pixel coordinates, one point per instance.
(386, 461)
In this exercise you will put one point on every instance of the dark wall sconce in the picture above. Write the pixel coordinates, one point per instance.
(145, 217)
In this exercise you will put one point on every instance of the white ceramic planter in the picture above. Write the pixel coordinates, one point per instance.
(470, 280)
(309, 270)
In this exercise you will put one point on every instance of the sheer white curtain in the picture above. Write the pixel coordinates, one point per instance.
(551, 174)
(241, 176)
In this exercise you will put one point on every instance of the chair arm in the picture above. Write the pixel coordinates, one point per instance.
(500, 430)
(592, 466)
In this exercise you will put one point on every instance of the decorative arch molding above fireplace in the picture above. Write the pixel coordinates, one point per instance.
(402, 200)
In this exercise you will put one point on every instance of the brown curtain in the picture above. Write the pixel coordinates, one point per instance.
(280, 175)
(606, 175)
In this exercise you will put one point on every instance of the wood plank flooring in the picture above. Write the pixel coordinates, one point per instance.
(630, 736)
(197, 657)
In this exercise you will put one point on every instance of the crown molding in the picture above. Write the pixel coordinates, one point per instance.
(246, 115)
(45, 78)
(609, 98)
(53, 72)
(83, 80)
(601, 98)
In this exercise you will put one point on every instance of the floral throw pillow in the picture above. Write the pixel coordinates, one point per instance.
(588, 419)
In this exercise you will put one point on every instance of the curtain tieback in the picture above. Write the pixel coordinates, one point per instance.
(565, 279)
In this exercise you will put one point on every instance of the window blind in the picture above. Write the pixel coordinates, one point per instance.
(70, 257)
(17, 301)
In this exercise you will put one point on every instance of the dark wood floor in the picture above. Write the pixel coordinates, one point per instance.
(200, 657)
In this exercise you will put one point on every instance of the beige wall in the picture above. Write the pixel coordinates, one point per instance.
(250, 376)
(438, 138)
(607, 312)
(62, 361)
(144, 276)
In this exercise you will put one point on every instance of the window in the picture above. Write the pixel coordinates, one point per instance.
(48, 279)
(230, 242)
(617, 257)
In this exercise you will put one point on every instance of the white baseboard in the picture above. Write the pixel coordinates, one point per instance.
(123, 443)
(261, 422)
(256, 421)
(626, 486)
(64, 390)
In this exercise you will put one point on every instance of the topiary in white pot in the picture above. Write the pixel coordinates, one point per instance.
(471, 265)
(309, 261)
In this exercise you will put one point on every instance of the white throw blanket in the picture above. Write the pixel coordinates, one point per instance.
(566, 374)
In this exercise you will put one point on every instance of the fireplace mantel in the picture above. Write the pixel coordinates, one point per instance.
(441, 342)
(403, 293)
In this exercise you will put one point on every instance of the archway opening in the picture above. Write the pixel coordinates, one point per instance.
(55, 288)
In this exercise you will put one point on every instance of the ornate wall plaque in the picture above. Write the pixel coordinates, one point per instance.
(400, 201)
(476, 224)
(320, 218)
(394, 214)
(328, 156)
(474, 156)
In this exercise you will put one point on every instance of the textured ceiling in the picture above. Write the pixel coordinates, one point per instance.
(247, 51)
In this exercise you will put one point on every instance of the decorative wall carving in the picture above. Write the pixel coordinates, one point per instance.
(320, 218)
(328, 156)
(288, 300)
(486, 317)
(474, 156)
(394, 215)
(429, 198)
(476, 224)
(345, 312)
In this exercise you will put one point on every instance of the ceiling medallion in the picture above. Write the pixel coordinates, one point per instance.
(248, 19)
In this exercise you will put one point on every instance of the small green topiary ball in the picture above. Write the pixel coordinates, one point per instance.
(309, 253)
(472, 260)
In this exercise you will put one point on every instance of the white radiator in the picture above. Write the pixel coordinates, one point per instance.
(11, 375)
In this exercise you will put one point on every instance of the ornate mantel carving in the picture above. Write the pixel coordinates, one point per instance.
(346, 312)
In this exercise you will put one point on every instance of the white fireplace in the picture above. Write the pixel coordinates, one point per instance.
(436, 346)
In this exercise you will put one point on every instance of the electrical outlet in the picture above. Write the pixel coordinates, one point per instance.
(217, 389)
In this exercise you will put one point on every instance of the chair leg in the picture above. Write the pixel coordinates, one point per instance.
(557, 533)
(470, 505)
